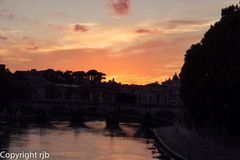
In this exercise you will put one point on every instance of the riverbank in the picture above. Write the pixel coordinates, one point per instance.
(191, 146)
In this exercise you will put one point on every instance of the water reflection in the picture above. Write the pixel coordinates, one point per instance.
(88, 142)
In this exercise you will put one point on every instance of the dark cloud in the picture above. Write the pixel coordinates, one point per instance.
(3, 38)
(25, 38)
(147, 31)
(80, 28)
(143, 31)
(120, 7)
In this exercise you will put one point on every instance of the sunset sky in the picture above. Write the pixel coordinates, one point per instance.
(133, 41)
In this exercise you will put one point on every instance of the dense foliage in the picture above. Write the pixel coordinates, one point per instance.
(210, 75)
(69, 77)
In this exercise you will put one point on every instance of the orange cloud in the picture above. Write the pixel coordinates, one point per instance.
(141, 53)
(149, 61)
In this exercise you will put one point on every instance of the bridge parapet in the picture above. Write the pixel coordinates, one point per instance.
(69, 106)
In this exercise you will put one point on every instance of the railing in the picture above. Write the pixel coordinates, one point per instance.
(161, 146)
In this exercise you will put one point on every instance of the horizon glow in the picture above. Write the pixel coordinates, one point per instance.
(133, 41)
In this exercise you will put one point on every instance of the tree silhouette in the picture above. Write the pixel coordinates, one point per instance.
(210, 76)
(91, 75)
(79, 76)
(69, 77)
(95, 76)
(100, 76)
(5, 88)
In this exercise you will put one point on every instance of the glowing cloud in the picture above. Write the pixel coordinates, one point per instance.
(120, 7)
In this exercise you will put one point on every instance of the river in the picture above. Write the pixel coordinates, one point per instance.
(61, 141)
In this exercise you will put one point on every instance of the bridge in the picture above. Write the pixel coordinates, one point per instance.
(56, 108)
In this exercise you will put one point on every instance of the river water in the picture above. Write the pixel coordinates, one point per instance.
(61, 141)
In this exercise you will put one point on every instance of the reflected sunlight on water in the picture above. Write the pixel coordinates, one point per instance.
(90, 142)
